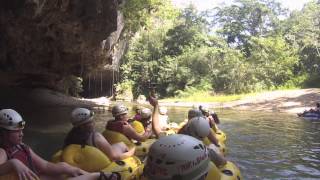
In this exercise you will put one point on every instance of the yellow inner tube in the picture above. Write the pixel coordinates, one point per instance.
(92, 159)
(129, 168)
(87, 158)
(114, 137)
(230, 172)
(138, 126)
(142, 148)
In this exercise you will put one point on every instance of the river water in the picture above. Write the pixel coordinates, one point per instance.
(262, 145)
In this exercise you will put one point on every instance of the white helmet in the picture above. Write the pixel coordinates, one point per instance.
(204, 108)
(163, 110)
(145, 113)
(198, 127)
(177, 156)
(81, 116)
(11, 120)
(194, 113)
(119, 109)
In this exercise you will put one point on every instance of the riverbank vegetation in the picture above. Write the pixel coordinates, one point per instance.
(245, 47)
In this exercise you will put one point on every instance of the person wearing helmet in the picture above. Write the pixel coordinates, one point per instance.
(177, 157)
(211, 115)
(198, 127)
(83, 133)
(15, 156)
(137, 116)
(120, 124)
(192, 113)
(146, 117)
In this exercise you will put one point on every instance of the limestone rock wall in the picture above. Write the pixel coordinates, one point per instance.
(43, 41)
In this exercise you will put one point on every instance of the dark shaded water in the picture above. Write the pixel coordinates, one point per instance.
(263, 145)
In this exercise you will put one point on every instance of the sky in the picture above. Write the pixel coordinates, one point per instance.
(209, 4)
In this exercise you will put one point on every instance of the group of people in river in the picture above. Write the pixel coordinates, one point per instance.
(15, 156)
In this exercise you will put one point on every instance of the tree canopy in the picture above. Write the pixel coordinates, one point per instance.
(247, 46)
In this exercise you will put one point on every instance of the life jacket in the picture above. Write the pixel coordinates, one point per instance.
(116, 126)
(23, 154)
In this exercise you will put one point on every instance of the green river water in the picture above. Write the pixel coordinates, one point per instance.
(262, 145)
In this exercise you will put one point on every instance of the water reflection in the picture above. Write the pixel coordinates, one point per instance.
(263, 145)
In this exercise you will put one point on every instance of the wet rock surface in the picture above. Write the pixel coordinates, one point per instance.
(42, 42)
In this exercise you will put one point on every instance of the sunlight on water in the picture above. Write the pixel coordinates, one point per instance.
(262, 145)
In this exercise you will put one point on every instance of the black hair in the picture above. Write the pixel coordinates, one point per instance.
(318, 105)
(77, 135)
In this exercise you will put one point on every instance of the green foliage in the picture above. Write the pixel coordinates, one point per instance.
(302, 30)
(247, 18)
(137, 13)
(124, 89)
(252, 50)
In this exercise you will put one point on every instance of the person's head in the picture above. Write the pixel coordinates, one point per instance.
(318, 105)
(11, 124)
(198, 127)
(82, 118)
(177, 157)
(163, 110)
(120, 112)
(138, 109)
(194, 113)
(145, 114)
(204, 109)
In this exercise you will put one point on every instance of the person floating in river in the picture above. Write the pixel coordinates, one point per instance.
(197, 127)
(83, 133)
(312, 110)
(192, 113)
(17, 157)
(211, 115)
(120, 124)
(177, 157)
(137, 116)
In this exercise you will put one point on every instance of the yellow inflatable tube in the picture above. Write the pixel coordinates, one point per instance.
(129, 168)
(138, 126)
(114, 137)
(221, 136)
(230, 172)
(87, 158)
(92, 159)
(142, 148)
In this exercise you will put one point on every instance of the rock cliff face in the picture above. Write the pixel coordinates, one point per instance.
(44, 41)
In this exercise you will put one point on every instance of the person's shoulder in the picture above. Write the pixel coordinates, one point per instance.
(98, 135)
